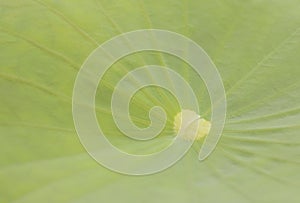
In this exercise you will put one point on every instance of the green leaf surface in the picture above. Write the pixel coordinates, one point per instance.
(255, 46)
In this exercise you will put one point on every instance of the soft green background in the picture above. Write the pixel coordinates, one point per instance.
(254, 43)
